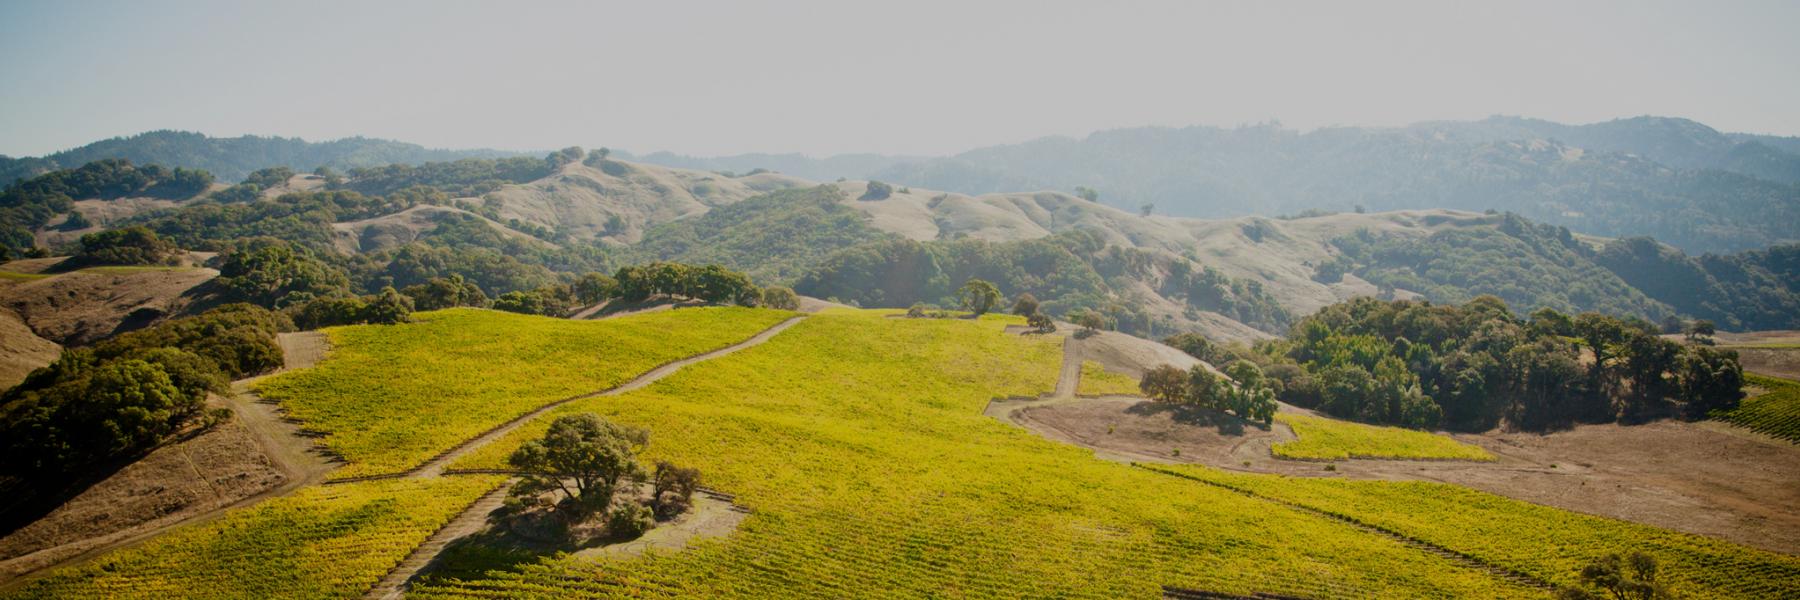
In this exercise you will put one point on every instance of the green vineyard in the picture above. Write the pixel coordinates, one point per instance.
(322, 542)
(1330, 439)
(391, 397)
(1776, 413)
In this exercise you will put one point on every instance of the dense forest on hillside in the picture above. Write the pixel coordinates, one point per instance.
(29, 204)
(234, 158)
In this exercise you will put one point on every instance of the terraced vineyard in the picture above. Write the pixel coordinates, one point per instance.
(390, 397)
(1330, 439)
(1544, 542)
(322, 542)
(1097, 381)
(859, 446)
(1776, 413)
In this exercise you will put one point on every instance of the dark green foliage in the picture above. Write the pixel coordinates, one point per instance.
(128, 246)
(76, 221)
(1475, 366)
(782, 298)
(1025, 305)
(1198, 346)
(238, 338)
(1038, 321)
(978, 296)
(270, 272)
(129, 393)
(1615, 577)
(1757, 289)
(553, 300)
(1525, 264)
(447, 292)
(711, 283)
(466, 177)
(269, 177)
(594, 287)
(1244, 391)
(773, 237)
(302, 218)
(385, 308)
(1068, 271)
(877, 191)
(587, 458)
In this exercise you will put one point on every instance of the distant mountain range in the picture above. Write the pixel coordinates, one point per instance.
(1675, 179)
(231, 159)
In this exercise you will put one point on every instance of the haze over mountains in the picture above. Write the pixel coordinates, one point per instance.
(1674, 179)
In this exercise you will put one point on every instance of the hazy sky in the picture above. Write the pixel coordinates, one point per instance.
(891, 76)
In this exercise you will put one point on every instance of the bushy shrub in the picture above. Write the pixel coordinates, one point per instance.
(128, 246)
(877, 191)
(629, 520)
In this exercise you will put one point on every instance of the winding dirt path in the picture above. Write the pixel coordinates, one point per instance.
(300, 462)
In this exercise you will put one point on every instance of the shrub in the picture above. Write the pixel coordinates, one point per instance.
(1165, 383)
(629, 521)
(1026, 305)
(877, 191)
(780, 297)
(129, 246)
(1041, 322)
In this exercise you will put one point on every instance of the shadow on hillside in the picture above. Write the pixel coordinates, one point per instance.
(1195, 416)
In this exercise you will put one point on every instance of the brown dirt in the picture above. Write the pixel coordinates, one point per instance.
(1703, 478)
(172, 484)
(257, 455)
(21, 350)
(1779, 362)
(809, 304)
(83, 307)
(31, 265)
(713, 515)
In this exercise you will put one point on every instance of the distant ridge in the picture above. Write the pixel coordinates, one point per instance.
(231, 159)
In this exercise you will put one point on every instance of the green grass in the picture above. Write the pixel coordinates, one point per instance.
(1776, 413)
(321, 542)
(859, 445)
(1548, 543)
(1330, 439)
(389, 397)
(22, 276)
(1097, 381)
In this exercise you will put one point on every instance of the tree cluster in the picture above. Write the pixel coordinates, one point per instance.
(127, 394)
(709, 283)
(591, 466)
(127, 246)
(1244, 390)
(1476, 366)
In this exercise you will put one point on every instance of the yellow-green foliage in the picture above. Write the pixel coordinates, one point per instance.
(22, 276)
(1776, 413)
(1537, 540)
(1097, 381)
(389, 397)
(859, 445)
(321, 542)
(1330, 439)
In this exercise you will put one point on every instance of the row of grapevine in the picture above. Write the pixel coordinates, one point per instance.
(393, 396)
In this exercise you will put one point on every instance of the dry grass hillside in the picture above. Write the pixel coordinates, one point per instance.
(85, 306)
(581, 199)
(398, 229)
(23, 350)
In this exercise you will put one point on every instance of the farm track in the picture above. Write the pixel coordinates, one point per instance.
(472, 519)
(436, 465)
(298, 459)
(1450, 554)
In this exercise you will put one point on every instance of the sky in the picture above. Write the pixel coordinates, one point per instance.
(898, 77)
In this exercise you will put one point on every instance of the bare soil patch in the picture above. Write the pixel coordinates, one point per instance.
(1701, 478)
(213, 470)
(1777, 362)
(21, 350)
(83, 307)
